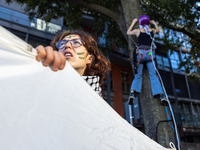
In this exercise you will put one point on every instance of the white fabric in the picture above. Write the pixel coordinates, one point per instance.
(45, 110)
(146, 28)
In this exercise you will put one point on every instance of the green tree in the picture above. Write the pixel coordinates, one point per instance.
(179, 15)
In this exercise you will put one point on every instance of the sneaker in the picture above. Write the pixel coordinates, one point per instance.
(131, 99)
(163, 100)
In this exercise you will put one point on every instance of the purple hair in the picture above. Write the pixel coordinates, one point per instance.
(144, 20)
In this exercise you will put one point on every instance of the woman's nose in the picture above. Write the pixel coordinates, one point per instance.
(68, 45)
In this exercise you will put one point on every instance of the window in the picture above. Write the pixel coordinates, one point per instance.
(41, 25)
(159, 60)
(177, 37)
(166, 78)
(194, 87)
(172, 36)
(183, 58)
(195, 107)
(187, 57)
(162, 61)
(125, 81)
(186, 118)
(187, 108)
(174, 58)
(166, 62)
(189, 118)
(180, 107)
(186, 42)
(180, 86)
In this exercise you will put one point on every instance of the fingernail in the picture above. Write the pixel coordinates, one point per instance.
(38, 59)
(46, 64)
(62, 66)
(55, 69)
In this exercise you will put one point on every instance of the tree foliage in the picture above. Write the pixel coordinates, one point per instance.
(181, 16)
(72, 10)
(177, 15)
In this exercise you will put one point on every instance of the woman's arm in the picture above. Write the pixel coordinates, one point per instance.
(133, 32)
(154, 23)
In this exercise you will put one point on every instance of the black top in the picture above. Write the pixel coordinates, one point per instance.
(145, 39)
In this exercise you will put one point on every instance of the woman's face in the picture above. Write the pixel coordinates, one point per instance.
(75, 53)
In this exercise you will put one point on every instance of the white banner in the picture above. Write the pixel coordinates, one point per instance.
(45, 110)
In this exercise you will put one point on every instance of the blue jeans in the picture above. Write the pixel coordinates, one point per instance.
(155, 83)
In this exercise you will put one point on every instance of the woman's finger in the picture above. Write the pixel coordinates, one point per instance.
(41, 52)
(57, 61)
(49, 56)
(63, 60)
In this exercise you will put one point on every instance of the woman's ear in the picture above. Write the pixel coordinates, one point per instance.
(89, 59)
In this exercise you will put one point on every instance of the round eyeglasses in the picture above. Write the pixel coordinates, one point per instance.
(74, 43)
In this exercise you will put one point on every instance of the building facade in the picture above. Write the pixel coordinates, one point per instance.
(183, 93)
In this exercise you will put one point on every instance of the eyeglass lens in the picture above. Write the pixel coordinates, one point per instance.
(74, 42)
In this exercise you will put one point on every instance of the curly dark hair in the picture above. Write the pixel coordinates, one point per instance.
(99, 66)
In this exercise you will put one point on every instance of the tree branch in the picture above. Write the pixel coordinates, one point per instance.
(97, 8)
(183, 30)
(116, 16)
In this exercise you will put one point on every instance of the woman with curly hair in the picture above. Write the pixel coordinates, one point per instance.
(81, 51)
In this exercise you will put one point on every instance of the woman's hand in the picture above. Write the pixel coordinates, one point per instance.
(135, 20)
(51, 56)
(152, 21)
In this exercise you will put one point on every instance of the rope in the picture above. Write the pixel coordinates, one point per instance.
(171, 144)
(170, 108)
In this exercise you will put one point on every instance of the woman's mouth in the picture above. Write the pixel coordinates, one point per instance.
(68, 54)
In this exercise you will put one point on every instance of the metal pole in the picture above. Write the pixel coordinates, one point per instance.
(130, 114)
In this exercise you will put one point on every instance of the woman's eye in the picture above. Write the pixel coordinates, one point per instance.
(76, 42)
(62, 44)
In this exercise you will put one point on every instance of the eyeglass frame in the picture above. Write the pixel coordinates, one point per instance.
(70, 43)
